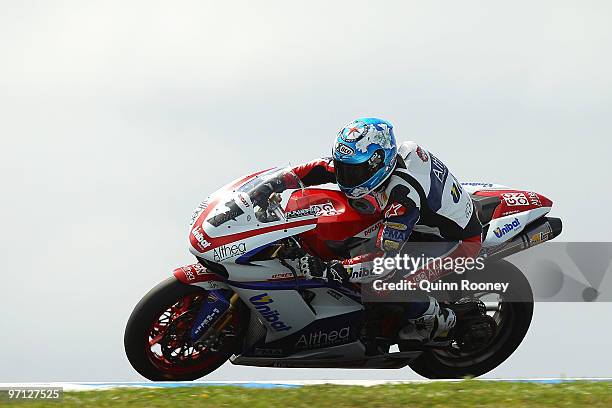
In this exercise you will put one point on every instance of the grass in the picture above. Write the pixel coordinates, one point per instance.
(468, 393)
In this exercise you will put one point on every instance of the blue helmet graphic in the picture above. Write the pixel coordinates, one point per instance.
(364, 155)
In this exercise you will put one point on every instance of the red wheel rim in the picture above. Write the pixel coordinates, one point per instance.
(171, 330)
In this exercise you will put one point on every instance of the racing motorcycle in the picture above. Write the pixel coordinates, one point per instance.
(245, 299)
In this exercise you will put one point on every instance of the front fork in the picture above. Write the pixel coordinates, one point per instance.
(214, 316)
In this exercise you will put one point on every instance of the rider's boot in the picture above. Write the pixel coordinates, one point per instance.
(433, 325)
(468, 307)
(475, 329)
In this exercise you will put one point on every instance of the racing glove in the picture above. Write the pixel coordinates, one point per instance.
(314, 268)
(261, 194)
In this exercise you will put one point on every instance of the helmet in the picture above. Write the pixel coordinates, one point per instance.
(364, 156)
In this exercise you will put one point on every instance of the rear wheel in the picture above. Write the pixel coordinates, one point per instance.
(157, 336)
(512, 319)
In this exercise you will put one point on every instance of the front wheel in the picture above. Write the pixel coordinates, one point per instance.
(157, 336)
(512, 319)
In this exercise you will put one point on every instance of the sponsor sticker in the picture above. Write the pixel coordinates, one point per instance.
(196, 213)
(372, 228)
(422, 154)
(199, 236)
(395, 210)
(207, 320)
(396, 226)
(280, 276)
(456, 191)
(361, 273)
(501, 231)
(515, 199)
(534, 199)
(345, 150)
(389, 245)
(228, 251)
(199, 269)
(438, 170)
(538, 237)
(394, 234)
(192, 270)
(506, 213)
(318, 210)
(469, 208)
(302, 212)
(244, 200)
(262, 305)
(326, 209)
(323, 338)
(478, 184)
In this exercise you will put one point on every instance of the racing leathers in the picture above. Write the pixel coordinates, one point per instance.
(420, 195)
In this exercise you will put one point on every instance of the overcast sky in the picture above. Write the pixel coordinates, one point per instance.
(118, 117)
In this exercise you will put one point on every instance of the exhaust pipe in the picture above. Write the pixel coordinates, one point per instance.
(534, 234)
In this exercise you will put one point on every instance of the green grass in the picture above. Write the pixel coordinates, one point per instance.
(466, 393)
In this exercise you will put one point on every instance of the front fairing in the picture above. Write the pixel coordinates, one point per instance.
(228, 227)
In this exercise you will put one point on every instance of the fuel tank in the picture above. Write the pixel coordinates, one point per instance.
(340, 222)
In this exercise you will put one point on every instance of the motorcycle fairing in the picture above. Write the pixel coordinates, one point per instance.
(324, 332)
(516, 209)
(337, 222)
(226, 226)
(285, 311)
(294, 332)
(197, 274)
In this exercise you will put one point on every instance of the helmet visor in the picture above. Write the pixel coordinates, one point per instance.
(352, 175)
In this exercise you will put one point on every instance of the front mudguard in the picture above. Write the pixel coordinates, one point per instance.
(197, 275)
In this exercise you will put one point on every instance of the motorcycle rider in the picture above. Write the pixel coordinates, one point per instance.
(414, 190)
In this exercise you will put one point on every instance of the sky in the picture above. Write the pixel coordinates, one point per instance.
(118, 117)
